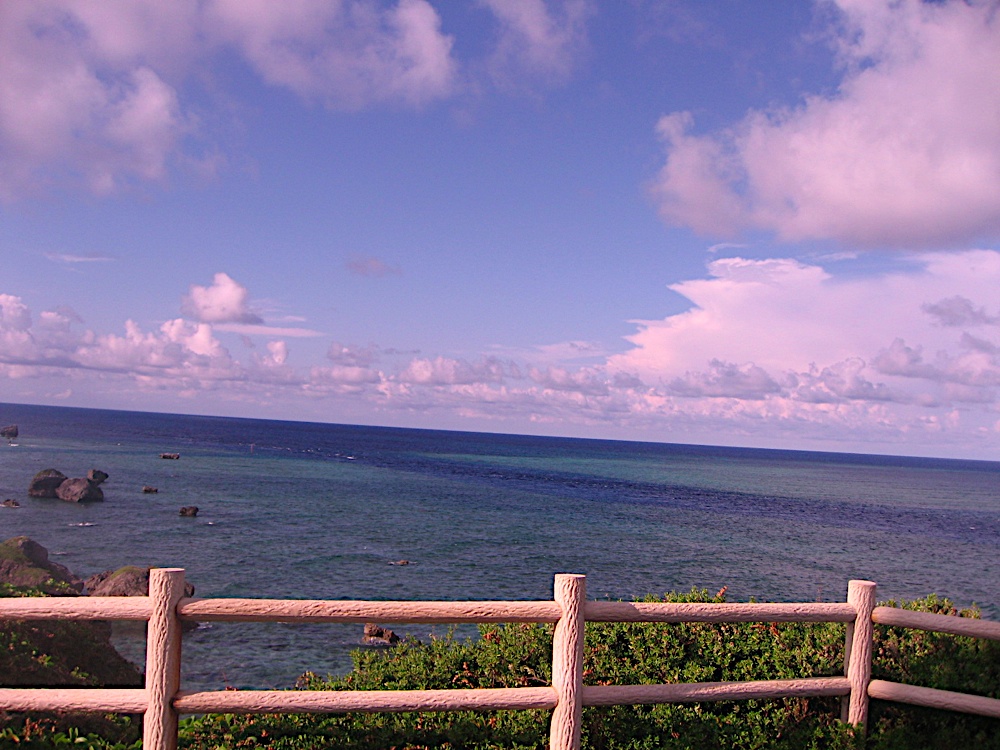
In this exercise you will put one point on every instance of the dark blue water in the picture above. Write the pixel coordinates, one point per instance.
(320, 511)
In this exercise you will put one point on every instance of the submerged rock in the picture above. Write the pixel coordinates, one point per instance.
(376, 635)
(10, 503)
(189, 510)
(148, 489)
(171, 456)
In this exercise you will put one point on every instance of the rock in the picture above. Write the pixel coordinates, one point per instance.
(9, 432)
(45, 483)
(46, 654)
(97, 476)
(376, 635)
(126, 581)
(149, 490)
(130, 581)
(172, 456)
(24, 562)
(10, 503)
(400, 562)
(79, 491)
(189, 510)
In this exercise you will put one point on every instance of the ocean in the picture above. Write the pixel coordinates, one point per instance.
(322, 511)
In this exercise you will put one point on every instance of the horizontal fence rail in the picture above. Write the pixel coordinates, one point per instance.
(162, 700)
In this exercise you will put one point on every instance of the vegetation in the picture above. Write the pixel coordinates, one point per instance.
(519, 655)
(60, 653)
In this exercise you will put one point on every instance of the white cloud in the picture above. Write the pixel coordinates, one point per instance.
(75, 104)
(447, 371)
(905, 153)
(107, 95)
(538, 38)
(773, 351)
(225, 301)
(791, 335)
(346, 53)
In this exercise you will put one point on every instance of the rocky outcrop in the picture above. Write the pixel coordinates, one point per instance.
(10, 503)
(9, 432)
(53, 483)
(45, 483)
(97, 476)
(127, 581)
(171, 456)
(376, 635)
(24, 562)
(189, 510)
(79, 491)
(49, 654)
(149, 489)
(130, 581)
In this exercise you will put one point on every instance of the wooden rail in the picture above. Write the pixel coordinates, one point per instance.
(162, 700)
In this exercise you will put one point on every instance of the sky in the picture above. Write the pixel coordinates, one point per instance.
(693, 221)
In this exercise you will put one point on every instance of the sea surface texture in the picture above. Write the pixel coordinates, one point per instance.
(317, 511)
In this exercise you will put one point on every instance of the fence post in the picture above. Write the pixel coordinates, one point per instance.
(858, 651)
(567, 662)
(163, 659)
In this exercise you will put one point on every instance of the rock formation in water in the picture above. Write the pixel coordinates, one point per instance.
(79, 491)
(53, 483)
(45, 483)
(376, 635)
(9, 432)
(189, 510)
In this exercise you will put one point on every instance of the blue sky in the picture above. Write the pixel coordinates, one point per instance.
(766, 224)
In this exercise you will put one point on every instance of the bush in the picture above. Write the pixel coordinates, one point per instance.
(519, 655)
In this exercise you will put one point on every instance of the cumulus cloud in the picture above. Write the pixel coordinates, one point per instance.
(447, 371)
(103, 96)
(348, 53)
(771, 350)
(783, 340)
(746, 381)
(225, 301)
(959, 311)
(179, 352)
(352, 356)
(79, 101)
(906, 151)
(538, 38)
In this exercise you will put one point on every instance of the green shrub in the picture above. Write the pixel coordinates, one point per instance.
(519, 655)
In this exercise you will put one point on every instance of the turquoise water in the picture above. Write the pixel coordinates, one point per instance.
(295, 510)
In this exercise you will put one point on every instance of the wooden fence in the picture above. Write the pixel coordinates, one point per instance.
(162, 700)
